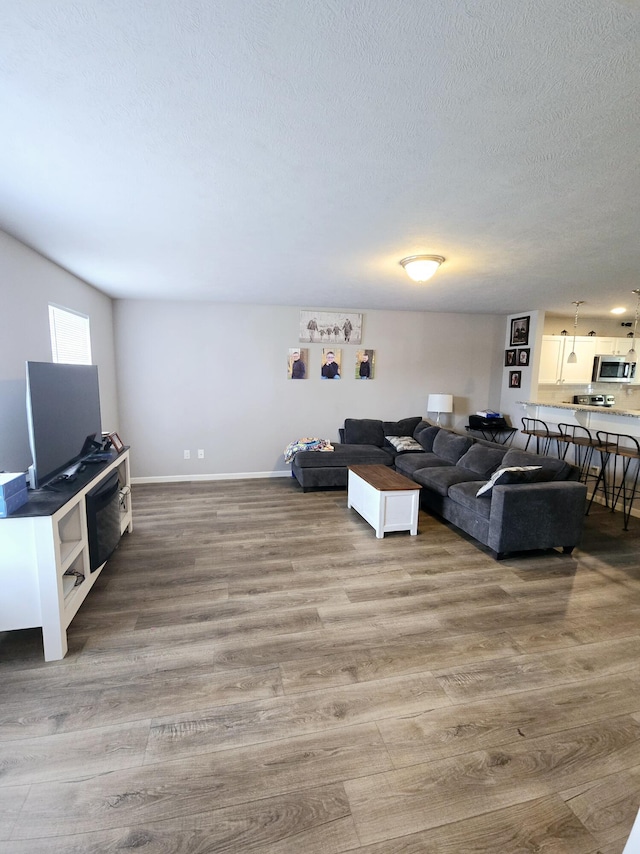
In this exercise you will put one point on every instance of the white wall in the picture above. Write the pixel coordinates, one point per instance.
(213, 376)
(28, 283)
(529, 375)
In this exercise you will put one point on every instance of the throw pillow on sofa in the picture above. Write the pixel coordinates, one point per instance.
(514, 474)
(555, 469)
(403, 443)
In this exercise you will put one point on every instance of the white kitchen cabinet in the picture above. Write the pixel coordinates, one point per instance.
(553, 347)
(613, 346)
(554, 353)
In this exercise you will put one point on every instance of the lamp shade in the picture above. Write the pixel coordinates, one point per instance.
(440, 403)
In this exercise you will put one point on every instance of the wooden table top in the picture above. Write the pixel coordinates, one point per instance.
(383, 478)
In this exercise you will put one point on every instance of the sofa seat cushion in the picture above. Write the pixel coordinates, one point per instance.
(409, 463)
(440, 478)
(450, 446)
(465, 495)
(343, 455)
(482, 460)
(554, 469)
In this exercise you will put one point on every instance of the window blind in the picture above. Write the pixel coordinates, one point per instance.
(70, 336)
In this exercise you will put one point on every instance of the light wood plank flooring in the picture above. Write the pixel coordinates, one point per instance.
(255, 672)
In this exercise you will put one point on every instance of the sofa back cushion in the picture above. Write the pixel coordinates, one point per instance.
(426, 437)
(405, 427)
(363, 431)
(421, 425)
(482, 460)
(553, 469)
(450, 446)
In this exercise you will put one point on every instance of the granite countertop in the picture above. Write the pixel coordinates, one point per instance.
(580, 407)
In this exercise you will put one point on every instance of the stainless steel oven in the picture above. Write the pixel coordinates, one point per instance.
(612, 369)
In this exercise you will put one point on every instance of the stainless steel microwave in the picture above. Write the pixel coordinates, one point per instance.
(612, 369)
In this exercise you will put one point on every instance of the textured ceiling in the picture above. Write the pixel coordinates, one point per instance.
(292, 151)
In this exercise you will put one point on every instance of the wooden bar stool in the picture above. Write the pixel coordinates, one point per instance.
(535, 428)
(622, 450)
(584, 444)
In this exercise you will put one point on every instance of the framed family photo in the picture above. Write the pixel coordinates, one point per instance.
(510, 358)
(523, 357)
(515, 379)
(519, 332)
(298, 364)
(116, 442)
(326, 327)
(331, 364)
(365, 364)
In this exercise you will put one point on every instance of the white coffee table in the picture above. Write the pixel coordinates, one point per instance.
(387, 500)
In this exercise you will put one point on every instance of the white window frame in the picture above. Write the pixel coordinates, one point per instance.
(70, 336)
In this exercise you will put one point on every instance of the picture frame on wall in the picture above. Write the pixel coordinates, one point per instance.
(510, 358)
(365, 364)
(520, 331)
(515, 379)
(523, 357)
(297, 364)
(330, 327)
(331, 364)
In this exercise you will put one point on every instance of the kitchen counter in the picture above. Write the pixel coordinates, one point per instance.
(580, 407)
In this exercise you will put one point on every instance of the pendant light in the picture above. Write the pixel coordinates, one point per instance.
(572, 355)
(631, 355)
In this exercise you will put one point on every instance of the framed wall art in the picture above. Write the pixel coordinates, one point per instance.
(519, 331)
(515, 379)
(365, 364)
(330, 327)
(331, 362)
(523, 357)
(297, 364)
(509, 358)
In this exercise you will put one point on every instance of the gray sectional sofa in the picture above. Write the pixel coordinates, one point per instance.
(528, 501)
(362, 442)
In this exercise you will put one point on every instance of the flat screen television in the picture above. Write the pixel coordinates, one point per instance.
(63, 414)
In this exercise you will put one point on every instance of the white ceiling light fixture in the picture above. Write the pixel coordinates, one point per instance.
(420, 268)
(618, 310)
(631, 355)
(572, 355)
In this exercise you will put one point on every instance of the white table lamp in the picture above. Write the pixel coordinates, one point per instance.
(440, 403)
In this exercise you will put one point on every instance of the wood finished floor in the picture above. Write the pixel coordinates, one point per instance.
(255, 672)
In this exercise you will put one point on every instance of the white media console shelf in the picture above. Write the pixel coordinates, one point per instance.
(43, 540)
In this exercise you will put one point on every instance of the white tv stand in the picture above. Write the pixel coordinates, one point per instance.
(42, 541)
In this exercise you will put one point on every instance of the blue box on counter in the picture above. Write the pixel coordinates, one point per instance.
(12, 482)
(13, 502)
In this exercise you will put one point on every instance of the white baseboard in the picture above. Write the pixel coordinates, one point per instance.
(635, 511)
(185, 478)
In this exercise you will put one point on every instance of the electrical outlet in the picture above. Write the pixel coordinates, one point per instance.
(200, 453)
(187, 455)
(594, 470)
